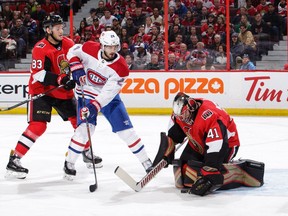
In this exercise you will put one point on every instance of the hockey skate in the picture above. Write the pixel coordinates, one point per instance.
(14, 167)
(147, 165)
(69, 171)
(87, 158)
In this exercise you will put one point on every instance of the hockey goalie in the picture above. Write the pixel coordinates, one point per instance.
(206, 163)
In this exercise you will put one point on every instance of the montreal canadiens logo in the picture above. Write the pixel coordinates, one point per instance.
(95, 78)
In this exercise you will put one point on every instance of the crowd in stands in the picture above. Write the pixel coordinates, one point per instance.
(196, 29)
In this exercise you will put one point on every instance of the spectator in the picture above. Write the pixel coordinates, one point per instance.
(262, 7)
(154, 64)
(261, 31)
(192, 42)
(188, 21)
(39, 15)
(20, 34)
(220, 57)
(139, 19)
(174, 46)
(8, 45)
(32, 28)
(107, 19)
(6, 13)
(132, 8)
(274, 21)
(172, 62)
(32, 5)
(131, 30)
(282, 11)
(82, 25)
(156, 17)
(124, 38)
(148, 25)
(126, 16)
(97, 29)
(247, 38)
(243, 21)
(141, 56)
(50, 8)
(202, 16)
(180, 9)
(246, 63)
(237, 49)
(125, 50)
(146, 10)
(208, 37)
(198, 57)
(93, 14)
(99, 11)
(157, 47)
(111, 4)
(130, 62)
(183, 54)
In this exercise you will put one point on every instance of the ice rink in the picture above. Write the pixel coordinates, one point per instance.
(45, 192)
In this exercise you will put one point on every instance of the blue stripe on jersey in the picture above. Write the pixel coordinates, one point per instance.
(135, 152)
(74, 150)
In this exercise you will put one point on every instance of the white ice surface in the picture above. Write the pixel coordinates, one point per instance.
(45, 192)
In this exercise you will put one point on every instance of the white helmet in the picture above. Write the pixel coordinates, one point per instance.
(109, 38)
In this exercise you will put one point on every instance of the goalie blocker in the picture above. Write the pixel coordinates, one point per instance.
(242, 172)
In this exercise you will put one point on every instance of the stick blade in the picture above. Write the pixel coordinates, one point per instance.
(92, 188)
(125, 177)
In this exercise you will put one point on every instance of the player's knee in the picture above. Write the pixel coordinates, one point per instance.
(37, 128)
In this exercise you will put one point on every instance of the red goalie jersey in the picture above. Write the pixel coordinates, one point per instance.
(47, 58)
(211, 134)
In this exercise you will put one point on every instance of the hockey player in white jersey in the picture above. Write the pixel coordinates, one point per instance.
(100, 72)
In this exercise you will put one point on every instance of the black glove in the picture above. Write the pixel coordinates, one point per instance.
(210, 179)
(64, 79)
(166, 150)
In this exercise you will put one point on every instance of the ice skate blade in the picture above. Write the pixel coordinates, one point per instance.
(97, 166)
(68, 177)
(12, 175)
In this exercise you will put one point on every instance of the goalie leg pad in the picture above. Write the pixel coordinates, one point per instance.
(185, 175)
(243, 172)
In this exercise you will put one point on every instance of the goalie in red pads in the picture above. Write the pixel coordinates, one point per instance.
(206, 164)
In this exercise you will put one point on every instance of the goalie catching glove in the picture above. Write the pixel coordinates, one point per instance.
(90, 110)
(210, 179)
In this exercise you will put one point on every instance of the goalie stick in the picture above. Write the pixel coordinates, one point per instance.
(31, 99)
(137, 186)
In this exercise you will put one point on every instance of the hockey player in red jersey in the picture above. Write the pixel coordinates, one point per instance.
(49, 69)
(205, 164)
(100, 72)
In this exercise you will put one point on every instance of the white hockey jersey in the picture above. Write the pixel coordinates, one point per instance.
(104, 79)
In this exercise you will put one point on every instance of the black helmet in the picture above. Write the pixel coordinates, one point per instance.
(52, 20)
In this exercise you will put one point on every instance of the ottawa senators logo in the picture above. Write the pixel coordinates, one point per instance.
(64, 67)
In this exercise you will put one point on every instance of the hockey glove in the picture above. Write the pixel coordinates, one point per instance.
(210, 179)
(79, 76)
(166, 150)
(64, 79)
(90, 110)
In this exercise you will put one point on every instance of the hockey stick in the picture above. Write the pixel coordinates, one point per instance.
(31, 99)
(92, 187)
(137, 186)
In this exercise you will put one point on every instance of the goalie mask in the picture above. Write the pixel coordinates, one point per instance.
(184, 107)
